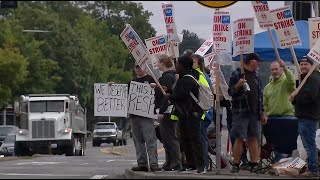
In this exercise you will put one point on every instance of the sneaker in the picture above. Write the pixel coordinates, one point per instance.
(200, 171)
(235, 168)
(313, 175)
(254, 167)
(140, 168)
(155, 168)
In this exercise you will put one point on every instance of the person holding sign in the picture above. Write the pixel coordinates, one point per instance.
(166, 125)
(247, 110)
(143, 132)
(280, 111)
(307, 110)
(188, 111)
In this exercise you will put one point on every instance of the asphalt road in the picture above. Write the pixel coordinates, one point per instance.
(105, 161)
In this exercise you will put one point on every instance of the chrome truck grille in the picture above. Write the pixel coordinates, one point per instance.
(43, 129)
(104, 133)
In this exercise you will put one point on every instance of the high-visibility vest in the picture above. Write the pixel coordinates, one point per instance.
(202, 79)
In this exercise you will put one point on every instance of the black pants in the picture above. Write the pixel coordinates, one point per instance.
(170, 142)
(190, 139)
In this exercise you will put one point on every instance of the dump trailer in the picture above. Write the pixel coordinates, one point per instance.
(50, 123)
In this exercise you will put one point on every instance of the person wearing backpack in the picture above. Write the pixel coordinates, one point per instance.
(207, 117)
(163, 108)
(188, 111)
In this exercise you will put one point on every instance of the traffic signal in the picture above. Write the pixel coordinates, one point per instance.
(8, 4)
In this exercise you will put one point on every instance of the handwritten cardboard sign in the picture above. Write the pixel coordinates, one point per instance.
(141, 100)
(110, 100)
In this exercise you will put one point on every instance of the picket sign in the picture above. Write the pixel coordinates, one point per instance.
(156, 46)
(138, 50)
(169, 19)
(286, 30)
(314, 30)
(110, 100)
(205, 46)
(221, 36)
(141, 100)
(243, 36)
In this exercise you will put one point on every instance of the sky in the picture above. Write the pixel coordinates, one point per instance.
(190, 15)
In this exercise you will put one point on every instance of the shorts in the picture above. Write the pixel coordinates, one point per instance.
(244, 127)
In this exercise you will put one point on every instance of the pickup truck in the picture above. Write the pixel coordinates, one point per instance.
(107, 132)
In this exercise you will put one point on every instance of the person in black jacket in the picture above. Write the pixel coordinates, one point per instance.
(163, 108)
(307, 109)
(188, 111)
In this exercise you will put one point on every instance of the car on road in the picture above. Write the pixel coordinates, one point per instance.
(5, 130)
(7, 147)
(107, 132)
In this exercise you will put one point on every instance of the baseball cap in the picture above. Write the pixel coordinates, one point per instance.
(306, 59)
(252, 56)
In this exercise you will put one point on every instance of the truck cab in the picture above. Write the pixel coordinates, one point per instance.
(48, 121)
(106, 132)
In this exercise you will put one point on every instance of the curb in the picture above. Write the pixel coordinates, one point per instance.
(129, 174)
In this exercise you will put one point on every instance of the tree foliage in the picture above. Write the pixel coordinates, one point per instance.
(83, 47)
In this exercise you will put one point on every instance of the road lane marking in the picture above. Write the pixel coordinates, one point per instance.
(37, 163)
(99, 176)
(20, 174)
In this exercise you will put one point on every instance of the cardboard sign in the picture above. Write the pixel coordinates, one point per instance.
(110, 100)
(170, 22)
(285, 27)
(221, 31)
(135, 46)
(141, 100)
(243, 36)
(314, 53)
(156, 46)
(205, 46)
(314, 30)
(261, 9)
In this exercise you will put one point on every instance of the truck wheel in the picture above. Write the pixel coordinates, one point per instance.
(125, 142)
(70, 148)
(20, 150)
(115, 143)
(83, 146)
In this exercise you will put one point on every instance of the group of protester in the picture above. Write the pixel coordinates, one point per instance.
(183, 123)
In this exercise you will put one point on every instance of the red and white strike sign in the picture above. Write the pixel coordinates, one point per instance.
(285, 27)
(314, 30)
(261, 9)
(243, 34)
(221, 31)
(135, 46)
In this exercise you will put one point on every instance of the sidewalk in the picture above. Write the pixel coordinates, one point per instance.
(225, 174)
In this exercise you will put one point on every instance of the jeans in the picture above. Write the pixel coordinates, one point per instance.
(307, 130)
(204, 141)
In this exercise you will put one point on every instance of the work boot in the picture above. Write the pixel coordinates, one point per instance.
(154, 168)
(140, 168)
(235, 168)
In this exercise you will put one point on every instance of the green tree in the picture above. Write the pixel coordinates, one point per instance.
(190, 41)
